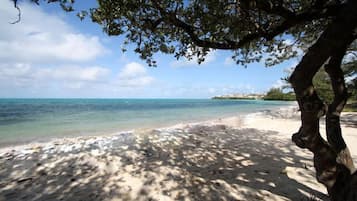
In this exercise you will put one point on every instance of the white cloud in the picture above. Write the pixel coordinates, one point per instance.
(184, 62)
(240, 89)
(228, 61)
(44, 55)
(204, 91)
(290, 68)
(279, 84)
(212, 90)
(71, 79)
(25, 75)
(134, 75)
(40, 37)
(75, 73)
(132, 70)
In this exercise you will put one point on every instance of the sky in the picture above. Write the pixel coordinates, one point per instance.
(52, 54)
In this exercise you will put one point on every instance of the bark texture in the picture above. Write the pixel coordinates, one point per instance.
(332, 160)
(333, 127)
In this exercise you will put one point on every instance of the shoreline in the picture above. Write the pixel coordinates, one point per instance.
(249, 157)
(36, 141)
(67, 125)
(237, 121)
(225, 119)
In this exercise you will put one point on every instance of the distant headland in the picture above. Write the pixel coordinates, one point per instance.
(241, 96)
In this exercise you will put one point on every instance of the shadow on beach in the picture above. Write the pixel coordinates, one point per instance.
(197, 163)
(349, 120)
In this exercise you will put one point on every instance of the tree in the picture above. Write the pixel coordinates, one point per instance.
(350, 70)
(321, 82)
(324, 29)
(323, 87)
(278, 94)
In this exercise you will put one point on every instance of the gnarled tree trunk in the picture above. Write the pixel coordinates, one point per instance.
(332, 160)
(333, 128)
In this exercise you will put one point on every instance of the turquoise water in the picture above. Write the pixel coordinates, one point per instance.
(23, 120)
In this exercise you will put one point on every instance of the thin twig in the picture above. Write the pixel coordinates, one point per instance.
(19, 13)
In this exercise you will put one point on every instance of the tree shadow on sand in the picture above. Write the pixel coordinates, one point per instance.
(197, 163)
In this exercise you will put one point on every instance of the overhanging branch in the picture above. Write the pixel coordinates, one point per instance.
(290, 21)
(19, 12)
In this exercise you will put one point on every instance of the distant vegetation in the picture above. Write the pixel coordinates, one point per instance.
(240, 96)
(278, 94)
(323, 87)
(350, 107)
(233, 98)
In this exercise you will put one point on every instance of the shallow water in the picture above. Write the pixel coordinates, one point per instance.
(23, 120)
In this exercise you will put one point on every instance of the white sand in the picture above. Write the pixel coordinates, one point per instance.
(236, 158)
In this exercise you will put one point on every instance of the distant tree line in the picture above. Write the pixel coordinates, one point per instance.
(279, 94)
(322, 85)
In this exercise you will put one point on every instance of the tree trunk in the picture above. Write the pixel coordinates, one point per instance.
(332, 160)
(333, 128)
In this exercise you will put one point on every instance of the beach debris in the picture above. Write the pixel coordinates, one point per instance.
(148, 152)
(262, 172)
(24, 179)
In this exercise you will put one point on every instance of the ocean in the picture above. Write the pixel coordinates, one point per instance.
(26, 120)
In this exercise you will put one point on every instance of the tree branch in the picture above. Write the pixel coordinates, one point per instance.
(270, 8)
(19, 12)
(291, 21)
(337, 36)
(333, 127)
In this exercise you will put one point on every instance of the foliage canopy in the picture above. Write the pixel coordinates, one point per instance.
(278, 94)
(249, 28)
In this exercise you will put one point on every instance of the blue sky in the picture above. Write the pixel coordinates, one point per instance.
(52, 54)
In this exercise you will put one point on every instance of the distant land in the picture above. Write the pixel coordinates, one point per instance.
(241, 96)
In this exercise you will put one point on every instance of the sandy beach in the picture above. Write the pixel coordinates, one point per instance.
(247, 157)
